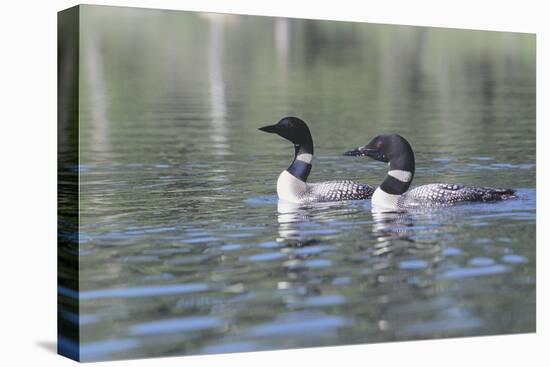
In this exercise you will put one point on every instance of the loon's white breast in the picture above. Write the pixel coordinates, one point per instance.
(290, 188)
(382, 201)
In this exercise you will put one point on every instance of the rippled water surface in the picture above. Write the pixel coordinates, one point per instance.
(184, 248)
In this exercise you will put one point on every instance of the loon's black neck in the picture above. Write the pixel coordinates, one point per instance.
(303, 158)
(400, 173)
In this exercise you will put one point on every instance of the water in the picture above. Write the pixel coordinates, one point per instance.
(184, 248)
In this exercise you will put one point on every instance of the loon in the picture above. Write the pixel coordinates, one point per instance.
(392, 194)
(292, 185)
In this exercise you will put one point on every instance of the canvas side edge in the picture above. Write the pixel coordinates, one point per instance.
(68, 60)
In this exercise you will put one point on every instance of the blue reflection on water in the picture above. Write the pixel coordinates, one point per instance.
(298, 323)
(132, 292)
(474, 272)
(184, 324)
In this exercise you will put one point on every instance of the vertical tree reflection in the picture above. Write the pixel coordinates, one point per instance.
(218, 109)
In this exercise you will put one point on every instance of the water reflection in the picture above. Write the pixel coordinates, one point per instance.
(218, 109)
(97, 92)
(282, 49)
(390, 226)
(290, 216)
(300, 225)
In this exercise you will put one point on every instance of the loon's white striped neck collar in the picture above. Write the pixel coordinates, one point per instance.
(397, 182)
(301, 165)
(305, 157)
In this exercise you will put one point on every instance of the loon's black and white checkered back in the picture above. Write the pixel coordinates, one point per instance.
(339, 191)
(440, 194)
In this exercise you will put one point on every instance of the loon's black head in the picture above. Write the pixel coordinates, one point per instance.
(392, 148)
(293, 129)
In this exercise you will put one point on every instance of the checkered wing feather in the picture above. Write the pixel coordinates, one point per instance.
(340, 190)
(447, 194)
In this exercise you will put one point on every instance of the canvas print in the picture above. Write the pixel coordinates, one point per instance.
(233, 183)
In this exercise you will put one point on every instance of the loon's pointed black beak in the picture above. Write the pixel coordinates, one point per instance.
(270, 128)
(361, 152)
